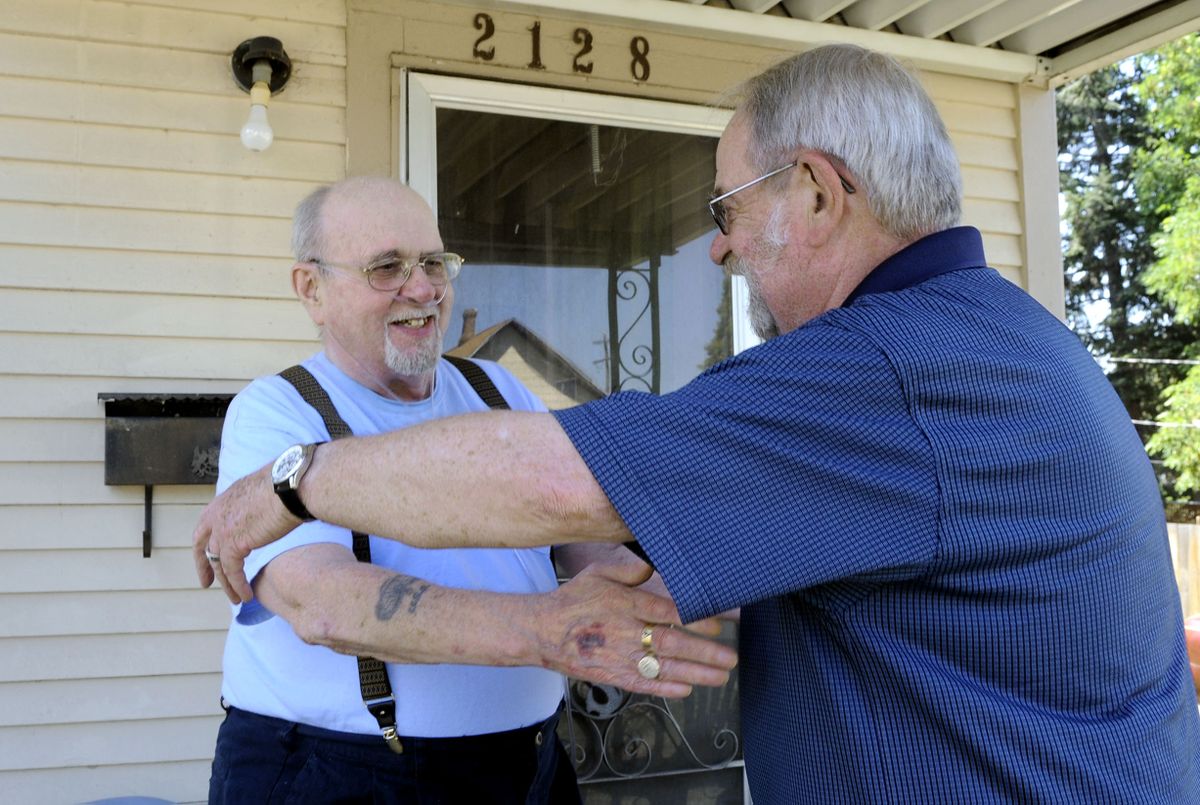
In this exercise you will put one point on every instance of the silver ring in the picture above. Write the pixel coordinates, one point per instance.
(212, 557)
(649, 667)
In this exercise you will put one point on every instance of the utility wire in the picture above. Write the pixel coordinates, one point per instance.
(1172, 361)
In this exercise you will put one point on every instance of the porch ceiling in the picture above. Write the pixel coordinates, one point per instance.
(1068, 37)
(1043, 42)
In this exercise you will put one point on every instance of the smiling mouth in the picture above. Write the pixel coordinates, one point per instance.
(415, 323)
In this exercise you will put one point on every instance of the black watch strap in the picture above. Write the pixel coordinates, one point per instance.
(291, 501)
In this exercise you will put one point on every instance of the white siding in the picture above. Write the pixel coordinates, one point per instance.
(981, 116)
(142, 249)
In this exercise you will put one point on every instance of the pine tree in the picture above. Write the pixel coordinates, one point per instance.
(1168, 166)
(1104, 131)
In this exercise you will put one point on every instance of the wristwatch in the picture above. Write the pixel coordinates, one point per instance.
(286, 473)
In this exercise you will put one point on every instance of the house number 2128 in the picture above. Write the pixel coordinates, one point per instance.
(485, 50)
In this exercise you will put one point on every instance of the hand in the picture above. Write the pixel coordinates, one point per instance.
(574, 557)
(245, 516)
(591, 628)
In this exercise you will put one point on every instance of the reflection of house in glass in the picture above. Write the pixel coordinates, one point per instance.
(540, 367)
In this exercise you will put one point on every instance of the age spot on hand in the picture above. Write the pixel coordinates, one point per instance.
(588, 642)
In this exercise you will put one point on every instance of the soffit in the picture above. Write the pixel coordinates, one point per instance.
(1043, 42)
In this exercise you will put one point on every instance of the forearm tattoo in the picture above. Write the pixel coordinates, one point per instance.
(393, 592)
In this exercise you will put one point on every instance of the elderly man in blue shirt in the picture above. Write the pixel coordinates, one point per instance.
(943, 532)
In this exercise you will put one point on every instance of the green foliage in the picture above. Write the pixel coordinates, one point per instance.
(1168, 173)
(1129, 142)
(1175, 441)
(1176, 275)
(1107, 247)
(1169, 85)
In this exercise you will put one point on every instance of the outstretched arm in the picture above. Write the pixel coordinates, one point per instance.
(496, 479)
(589, 628)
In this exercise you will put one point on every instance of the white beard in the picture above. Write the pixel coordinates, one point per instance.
(414, 362)
(774, 238)
(761, 320)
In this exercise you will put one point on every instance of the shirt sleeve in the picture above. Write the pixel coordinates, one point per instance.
(262, 421)
(794, 467)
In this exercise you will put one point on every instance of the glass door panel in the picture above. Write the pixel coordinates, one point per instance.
(584, 223)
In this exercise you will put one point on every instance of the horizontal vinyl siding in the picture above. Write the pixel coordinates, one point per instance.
(143, 250)
(983, 121)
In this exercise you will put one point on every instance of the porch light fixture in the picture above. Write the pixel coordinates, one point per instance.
(260, 67)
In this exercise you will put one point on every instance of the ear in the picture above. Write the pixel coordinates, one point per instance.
(825, 199)
(306, 282)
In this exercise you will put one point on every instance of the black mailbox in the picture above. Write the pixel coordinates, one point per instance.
(154, 439)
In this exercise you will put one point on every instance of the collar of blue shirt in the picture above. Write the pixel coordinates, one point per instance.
(949, 250)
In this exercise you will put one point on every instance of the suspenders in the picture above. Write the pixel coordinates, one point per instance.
(372, 673)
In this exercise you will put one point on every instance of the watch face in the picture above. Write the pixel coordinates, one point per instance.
(286, 463)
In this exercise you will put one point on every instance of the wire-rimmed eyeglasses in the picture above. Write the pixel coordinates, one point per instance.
(716, 204)
(389, 272)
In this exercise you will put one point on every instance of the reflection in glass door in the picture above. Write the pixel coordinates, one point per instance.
(584, 224)
(593, 239)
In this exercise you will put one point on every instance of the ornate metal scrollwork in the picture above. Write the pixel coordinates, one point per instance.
(612, 734)
(634, 364)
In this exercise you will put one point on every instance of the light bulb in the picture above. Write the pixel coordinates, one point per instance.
(257, 134)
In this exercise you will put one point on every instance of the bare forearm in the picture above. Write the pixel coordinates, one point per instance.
(499, 479)
(589, 628)
(332, 600)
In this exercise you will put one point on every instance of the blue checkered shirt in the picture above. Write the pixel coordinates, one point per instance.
(946, 539)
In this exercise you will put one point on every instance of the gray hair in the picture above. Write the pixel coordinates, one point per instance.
(865, 109)
(307, 242)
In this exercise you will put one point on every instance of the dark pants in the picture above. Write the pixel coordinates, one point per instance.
(268, 760)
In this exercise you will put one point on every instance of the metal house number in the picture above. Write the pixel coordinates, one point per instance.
(485, 50)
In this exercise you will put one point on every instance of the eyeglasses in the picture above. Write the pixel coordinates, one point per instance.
(390, 272)
(720, 214)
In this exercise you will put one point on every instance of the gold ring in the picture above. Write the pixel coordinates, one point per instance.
(648, 637)
(649, 667)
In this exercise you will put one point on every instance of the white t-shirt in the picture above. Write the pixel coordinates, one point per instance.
(269, 670)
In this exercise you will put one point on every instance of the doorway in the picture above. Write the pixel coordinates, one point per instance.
(585, 228)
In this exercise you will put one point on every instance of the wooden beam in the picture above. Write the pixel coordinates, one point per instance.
(753, 6)
(814, 10)
(1069, 23)
(1006, 20)
(874, 15)
(935, 18)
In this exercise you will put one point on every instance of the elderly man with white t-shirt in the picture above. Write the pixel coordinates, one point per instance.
(422, 714)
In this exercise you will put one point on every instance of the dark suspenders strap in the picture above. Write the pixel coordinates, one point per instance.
(373, 680)
(479, 381)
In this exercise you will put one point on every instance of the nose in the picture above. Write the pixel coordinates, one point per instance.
(417, 288)
(719, 248)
